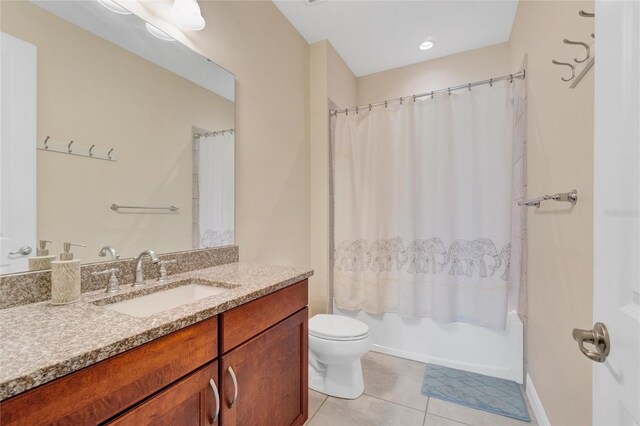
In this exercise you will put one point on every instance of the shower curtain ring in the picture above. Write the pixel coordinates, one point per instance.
(69, 147)
(357, 110)
(449, 91)
(46, 146)
(491, 82)
(414, 98)
(432, 94)
(469, 86)
(385, 104)
(400, 101)
(510, 78)
(346, 111)
(369, 107)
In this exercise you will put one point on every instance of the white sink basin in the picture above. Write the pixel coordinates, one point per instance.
(147, 305)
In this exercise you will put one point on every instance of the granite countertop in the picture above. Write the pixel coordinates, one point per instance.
(40, 342)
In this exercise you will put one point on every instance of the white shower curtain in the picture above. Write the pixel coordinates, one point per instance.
(216, 190)
(423, 207)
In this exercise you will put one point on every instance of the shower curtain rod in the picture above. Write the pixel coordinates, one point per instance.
(510, 77)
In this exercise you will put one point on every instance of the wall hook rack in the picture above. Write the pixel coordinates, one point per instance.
(566, 64)
(71, 148)
(569, 197)
(579, 43)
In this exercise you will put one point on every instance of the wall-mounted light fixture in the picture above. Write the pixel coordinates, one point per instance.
(114, 7)
(187, 15)
(156, 32)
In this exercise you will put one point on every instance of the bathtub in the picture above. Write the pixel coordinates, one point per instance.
(456, 345)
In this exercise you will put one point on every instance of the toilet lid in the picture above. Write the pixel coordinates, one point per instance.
(336, 327)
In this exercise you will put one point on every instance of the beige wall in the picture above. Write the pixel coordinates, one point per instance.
(330, 79)
(94, 92)
(270, 60)
(560, 158)
(461, 68)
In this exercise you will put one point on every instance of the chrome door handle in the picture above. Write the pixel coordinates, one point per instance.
(599, 337)
(235, 386)
(24, 251)
(213, 418)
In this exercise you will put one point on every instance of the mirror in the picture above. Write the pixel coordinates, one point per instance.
(112, 138)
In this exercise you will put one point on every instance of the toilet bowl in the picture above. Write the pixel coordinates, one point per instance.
(336, 344)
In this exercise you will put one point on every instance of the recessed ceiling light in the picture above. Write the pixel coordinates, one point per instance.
(158, 33)
(114, 7)
(428, 44)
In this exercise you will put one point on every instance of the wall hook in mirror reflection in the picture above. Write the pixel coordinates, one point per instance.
(69, 147)
(91, 150)
(579, 43)
(586, 14)
(573, 69)
(46, 144)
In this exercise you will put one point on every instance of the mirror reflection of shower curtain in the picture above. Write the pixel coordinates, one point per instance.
(216, 190)
(423, 207)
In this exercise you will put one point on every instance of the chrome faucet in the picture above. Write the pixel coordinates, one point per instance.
(111, 250)
(154, 259)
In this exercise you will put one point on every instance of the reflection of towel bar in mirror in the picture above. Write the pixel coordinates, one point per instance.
(116, 207)
(569, 197)
(70, 148)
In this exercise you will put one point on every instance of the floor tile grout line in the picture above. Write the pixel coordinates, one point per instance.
(447, 418)
(426, 409)
(394, 403)
(321, 404)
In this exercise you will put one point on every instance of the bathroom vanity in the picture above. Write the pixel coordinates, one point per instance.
(237, 358)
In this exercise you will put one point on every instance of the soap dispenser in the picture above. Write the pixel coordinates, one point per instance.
(42, 259)
(65, 277)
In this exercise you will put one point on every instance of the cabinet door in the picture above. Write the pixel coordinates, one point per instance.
(190, 402)
(269, 376)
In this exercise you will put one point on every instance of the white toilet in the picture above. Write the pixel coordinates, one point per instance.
(336, 344)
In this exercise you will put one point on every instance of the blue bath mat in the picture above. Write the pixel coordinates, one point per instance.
(498, 396)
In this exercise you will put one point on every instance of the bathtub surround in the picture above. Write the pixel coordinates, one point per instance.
(423, 207)
(33, 287)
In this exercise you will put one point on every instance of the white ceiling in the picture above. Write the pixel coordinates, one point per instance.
(373, 36)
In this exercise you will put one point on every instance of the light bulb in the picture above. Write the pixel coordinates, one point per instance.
(187, 15)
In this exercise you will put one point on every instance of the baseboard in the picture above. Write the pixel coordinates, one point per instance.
(536, 403)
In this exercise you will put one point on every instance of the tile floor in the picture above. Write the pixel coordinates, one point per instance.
(392, 397)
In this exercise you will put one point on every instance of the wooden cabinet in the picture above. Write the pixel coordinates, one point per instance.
(263, 343)
(97, 393)
(190, 402)
(270, 371)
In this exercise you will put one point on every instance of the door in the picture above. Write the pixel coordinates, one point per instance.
(264, 381)
(17, 154)
(193, 401)
(616, 292)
